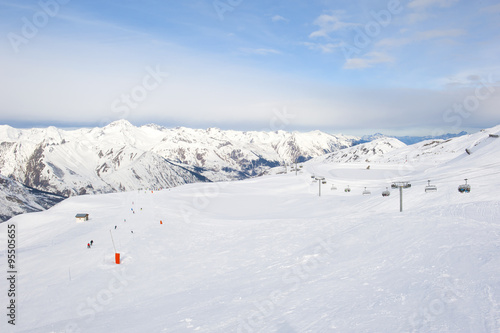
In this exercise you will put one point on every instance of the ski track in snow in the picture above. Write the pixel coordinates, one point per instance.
(269, 255)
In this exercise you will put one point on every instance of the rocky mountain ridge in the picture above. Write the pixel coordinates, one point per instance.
(121, 156)
(16, 198)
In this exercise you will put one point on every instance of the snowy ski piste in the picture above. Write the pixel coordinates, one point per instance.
(270, 255)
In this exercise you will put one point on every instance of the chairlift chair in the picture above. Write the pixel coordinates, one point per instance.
(333, 188)
(347, 189)
(366, 192)
(386, 193)
(430, 188)
(464, 188)
(323, 182)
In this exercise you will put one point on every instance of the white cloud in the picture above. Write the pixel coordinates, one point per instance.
(369, 60)
(470, 78)
(260, 51)
(418, 17)
(328, 24)
(420, 7)
(432, 34)
(279, 18)
(19, 6)
(393, 42)
(419, 4)
(324, 48)
(494, 9)
(419, 36)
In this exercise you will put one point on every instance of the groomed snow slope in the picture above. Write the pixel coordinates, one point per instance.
(269, 255)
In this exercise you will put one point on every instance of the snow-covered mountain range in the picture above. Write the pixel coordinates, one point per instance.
(16, 198)
(364, 152)
(121, 156)
(409, 140)
(430, 152)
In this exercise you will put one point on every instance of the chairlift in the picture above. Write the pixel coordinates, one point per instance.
(366, 192)
(347, 189)
(430, 188)
(312, 176)
(315, 180)
(464, 188)
(323, 182)
(396, 185)
(333, 188)
(386, 193)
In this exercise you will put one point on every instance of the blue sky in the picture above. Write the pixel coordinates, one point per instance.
(354, 67)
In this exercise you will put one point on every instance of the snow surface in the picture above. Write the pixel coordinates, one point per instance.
(269, 255)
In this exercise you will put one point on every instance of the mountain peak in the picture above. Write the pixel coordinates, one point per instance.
(120, 123)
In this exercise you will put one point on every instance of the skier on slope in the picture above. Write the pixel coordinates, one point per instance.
(91, 242)
(88, 245)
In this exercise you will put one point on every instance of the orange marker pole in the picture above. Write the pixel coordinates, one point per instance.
(117, 255)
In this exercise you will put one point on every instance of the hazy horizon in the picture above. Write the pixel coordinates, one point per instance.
(413, 67)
